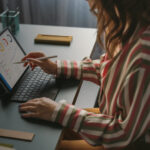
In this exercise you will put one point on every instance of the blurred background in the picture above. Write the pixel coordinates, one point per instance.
(74, 13)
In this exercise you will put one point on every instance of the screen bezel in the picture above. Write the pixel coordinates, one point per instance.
(13, 88)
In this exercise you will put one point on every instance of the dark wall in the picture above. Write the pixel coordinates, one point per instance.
(52, 12)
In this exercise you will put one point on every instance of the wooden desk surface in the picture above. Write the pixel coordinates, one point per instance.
(46, 134)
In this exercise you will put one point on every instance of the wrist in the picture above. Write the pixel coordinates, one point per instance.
(55, 112)
(54, 70)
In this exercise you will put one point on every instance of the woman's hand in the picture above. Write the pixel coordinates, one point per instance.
(46, 65)
(41, 108)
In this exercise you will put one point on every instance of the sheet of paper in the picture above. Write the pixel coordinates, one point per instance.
(16, 134)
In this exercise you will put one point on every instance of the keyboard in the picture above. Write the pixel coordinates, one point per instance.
(33, 85)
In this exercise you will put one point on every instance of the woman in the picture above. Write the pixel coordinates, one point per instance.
(123, 74)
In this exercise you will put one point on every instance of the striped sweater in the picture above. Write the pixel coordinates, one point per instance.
(124, 100)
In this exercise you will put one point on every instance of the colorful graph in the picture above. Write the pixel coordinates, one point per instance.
(5, 41)
(1, 47)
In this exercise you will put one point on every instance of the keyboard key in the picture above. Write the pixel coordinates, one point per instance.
(35, 82)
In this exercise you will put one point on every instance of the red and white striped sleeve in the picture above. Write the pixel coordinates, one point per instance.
(87, 69)
(113, 131)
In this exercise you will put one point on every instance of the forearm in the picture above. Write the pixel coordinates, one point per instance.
(103, 129)
(69, 69)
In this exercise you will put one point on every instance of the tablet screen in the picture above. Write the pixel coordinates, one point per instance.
(10, 52)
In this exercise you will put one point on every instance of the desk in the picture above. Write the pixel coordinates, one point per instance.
(46, 134)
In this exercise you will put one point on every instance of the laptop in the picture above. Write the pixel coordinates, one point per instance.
(20, 83)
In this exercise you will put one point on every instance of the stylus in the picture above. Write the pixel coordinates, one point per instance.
(40, 58)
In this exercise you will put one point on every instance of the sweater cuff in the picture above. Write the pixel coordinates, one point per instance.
(57, 109)
(58, 62)
(68, 116)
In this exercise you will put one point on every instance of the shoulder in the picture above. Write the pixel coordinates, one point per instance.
(144, 47)
(139, 51)
(145, 38)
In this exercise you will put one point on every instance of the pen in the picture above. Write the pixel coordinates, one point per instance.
(40, 58)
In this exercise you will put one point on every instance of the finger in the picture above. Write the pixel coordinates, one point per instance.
(34, 67)
(27, 109)
(29, 115)
(24, 58)
(33, 100)
(27, 56)
(35, 62)
(31, 65)
(25, 64)
(27, 104)
(34, 55)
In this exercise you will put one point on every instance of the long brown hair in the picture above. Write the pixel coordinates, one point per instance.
(118, 19)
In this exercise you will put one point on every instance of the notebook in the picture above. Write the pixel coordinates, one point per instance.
(19, 82)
